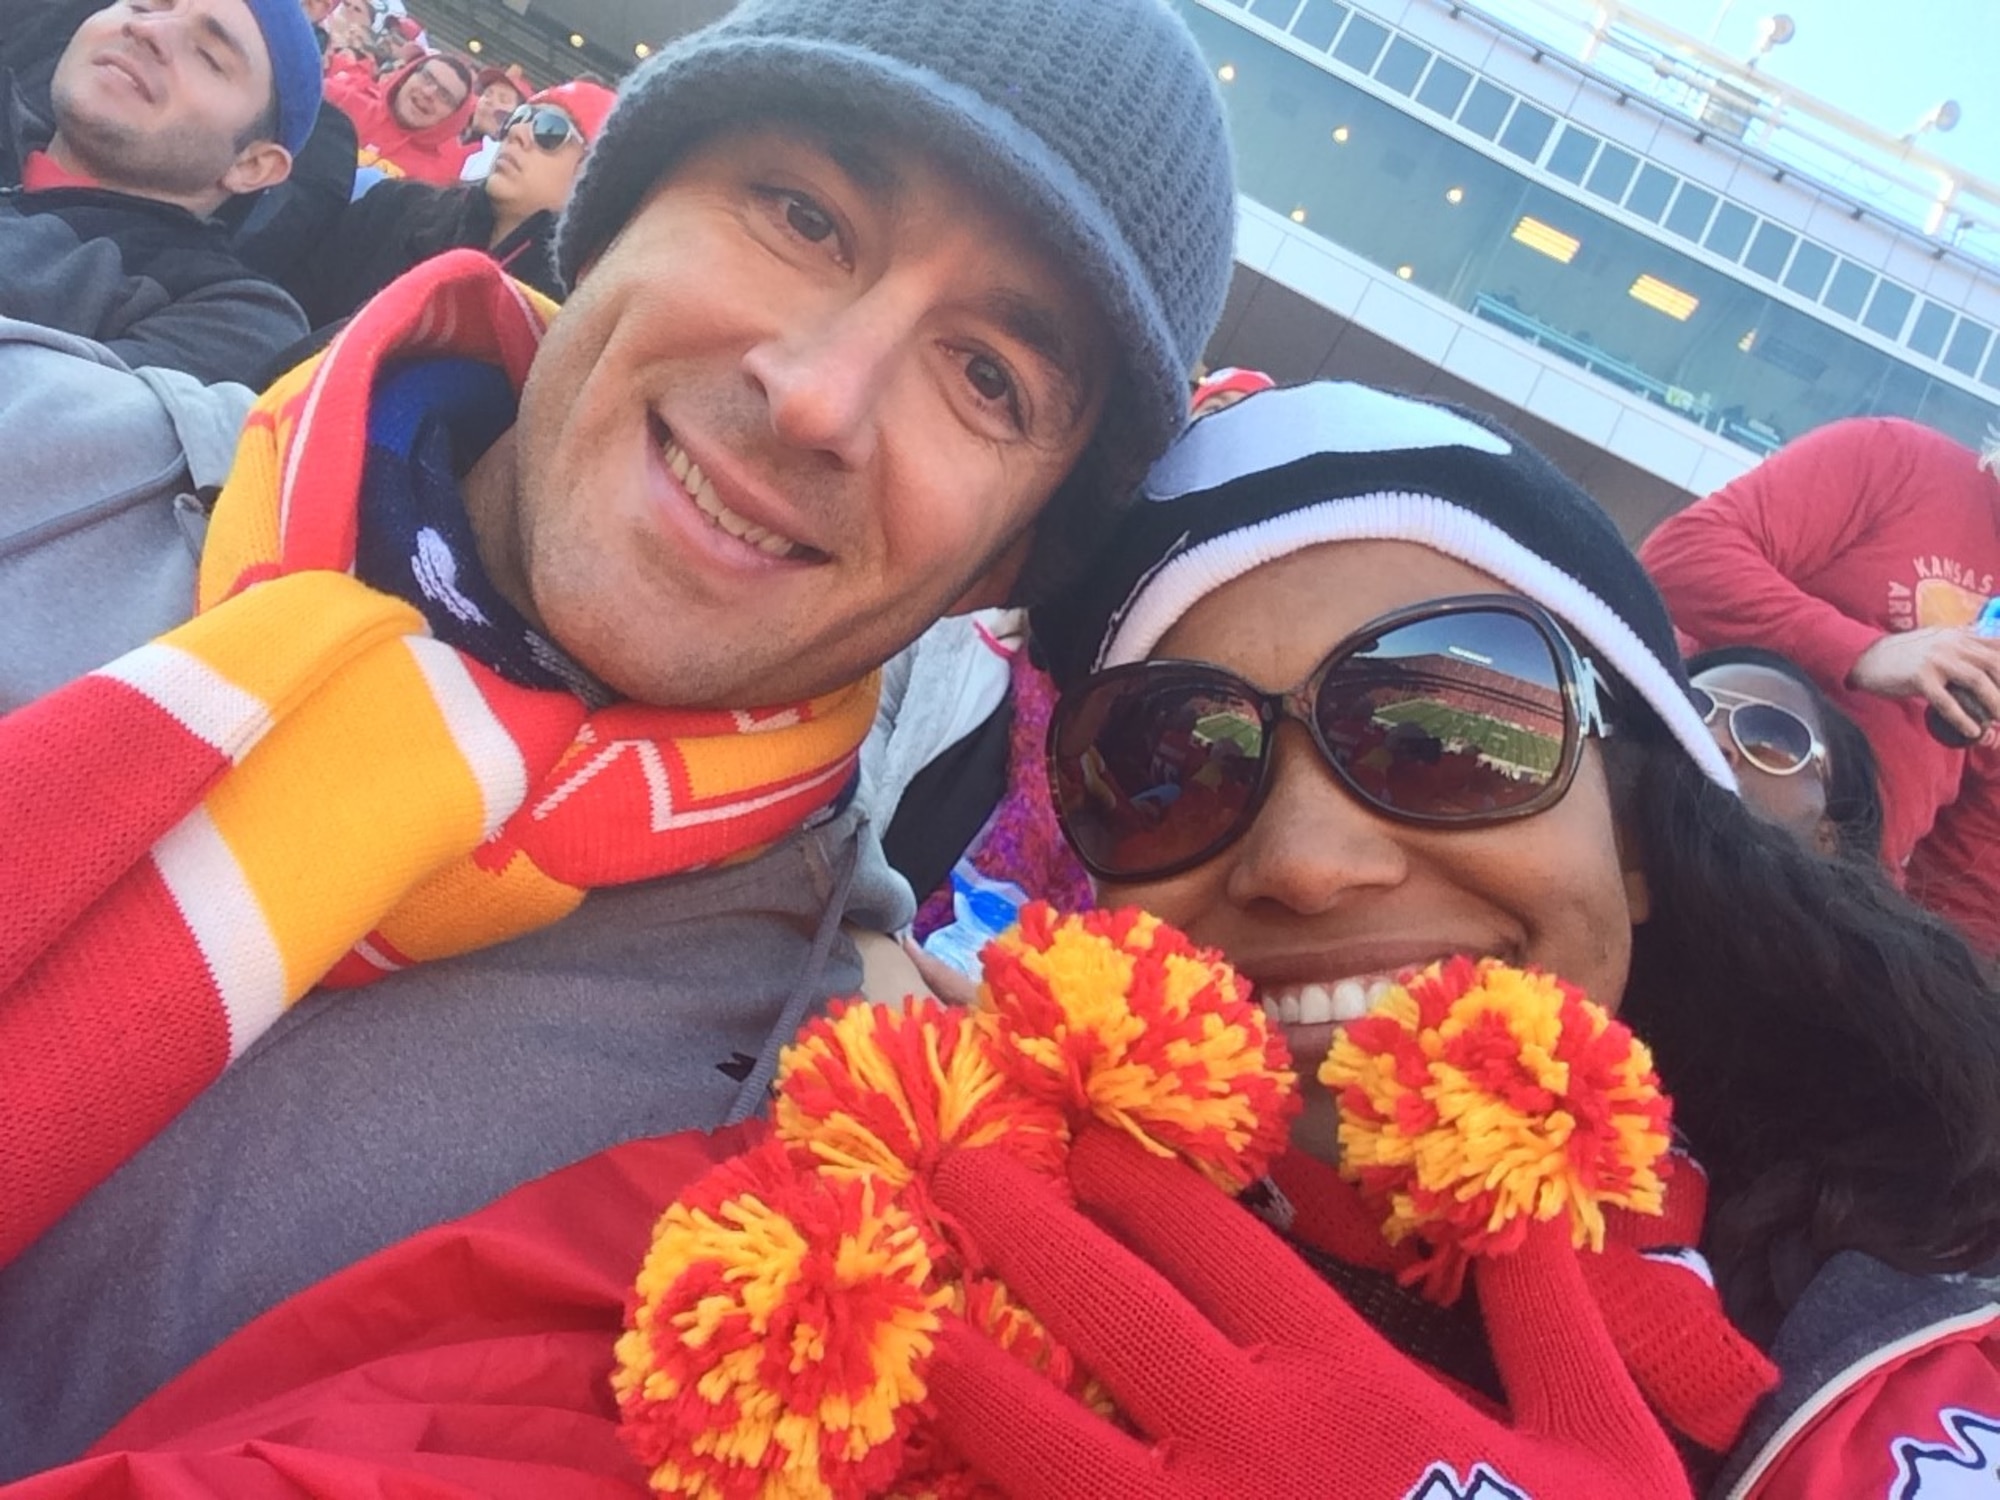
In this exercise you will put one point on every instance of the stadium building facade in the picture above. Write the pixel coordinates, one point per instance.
(1653, 259)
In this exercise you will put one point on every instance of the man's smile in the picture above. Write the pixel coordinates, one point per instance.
(690, 478)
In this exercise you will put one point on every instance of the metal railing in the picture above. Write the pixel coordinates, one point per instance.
(1733, 98)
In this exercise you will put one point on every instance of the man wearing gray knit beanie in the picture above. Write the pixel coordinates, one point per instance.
(877, 311)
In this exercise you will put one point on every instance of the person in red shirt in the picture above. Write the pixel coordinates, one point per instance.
(1863, 552)
(409, 122)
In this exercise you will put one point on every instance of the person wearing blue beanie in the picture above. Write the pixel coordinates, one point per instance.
(158, 114)
(187, 101)
(296, 75)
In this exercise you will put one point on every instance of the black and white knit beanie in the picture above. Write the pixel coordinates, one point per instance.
(1294, 468)
(1097, 121)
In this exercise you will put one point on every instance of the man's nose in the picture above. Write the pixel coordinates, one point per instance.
(1313, 843)
(148, 29)
(826, 379)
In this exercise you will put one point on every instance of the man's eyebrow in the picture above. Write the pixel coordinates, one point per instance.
(869, 169)
(1037, 325)
(1024, 318)
(216, 31)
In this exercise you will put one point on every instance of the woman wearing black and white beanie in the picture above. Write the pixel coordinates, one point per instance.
(1363, 682)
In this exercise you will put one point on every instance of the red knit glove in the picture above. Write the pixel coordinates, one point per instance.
(1699, 1375)
(1245, 1374)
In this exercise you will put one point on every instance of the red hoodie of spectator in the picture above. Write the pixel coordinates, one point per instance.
(433, 153)
(1858, 529)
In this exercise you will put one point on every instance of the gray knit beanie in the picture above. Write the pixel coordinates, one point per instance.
(1096, 121)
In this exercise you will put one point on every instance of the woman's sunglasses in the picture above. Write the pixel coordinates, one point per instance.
(549, 127)
(1457, 713)
(1774, 740)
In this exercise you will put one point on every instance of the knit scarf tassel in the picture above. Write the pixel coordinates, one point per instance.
(301, 787)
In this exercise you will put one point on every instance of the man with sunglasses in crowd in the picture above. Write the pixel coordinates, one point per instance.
(534, 653)
(510, 215)
(1864, 552)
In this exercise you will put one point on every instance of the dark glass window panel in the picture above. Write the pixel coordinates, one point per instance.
(1528, 132)
(1932, 324)
(1967, 347)
(1649, 195)
(1277, 12)
(1769, 249)
(1889, 309)
(1957, 413)
(1692, 207)
(1361, 43)
(1318, 23)
(1850, 289)
(1809, 270)
(1486, 109)
(1402, 65)
(1731, 231)
(1901, 392)
(1444, 87)
(1571, 158)
(1613, 173)
(1991, 374)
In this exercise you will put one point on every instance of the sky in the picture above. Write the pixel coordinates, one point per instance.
(1885, 61)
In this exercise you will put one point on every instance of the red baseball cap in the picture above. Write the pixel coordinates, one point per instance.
(490, 75)
(1227, 381)
(585, 102)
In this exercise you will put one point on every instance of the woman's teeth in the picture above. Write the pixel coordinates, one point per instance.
(688, 472)
(1318, 1004)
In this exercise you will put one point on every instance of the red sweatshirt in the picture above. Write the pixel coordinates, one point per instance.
(432, 154)
(1858, 529)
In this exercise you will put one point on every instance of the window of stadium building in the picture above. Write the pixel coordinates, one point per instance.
(1538, 263)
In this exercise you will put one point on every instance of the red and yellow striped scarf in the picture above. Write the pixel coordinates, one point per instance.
(301, 787)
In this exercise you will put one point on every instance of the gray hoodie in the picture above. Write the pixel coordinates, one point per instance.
(109, 472)
(364, 1116)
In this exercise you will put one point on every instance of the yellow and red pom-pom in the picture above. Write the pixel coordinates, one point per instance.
(884, 1089)
(1479, 1098)
(1116, 1015)
(775, 1350)
(988, 1306)
(934, 1471)
(791, 1298)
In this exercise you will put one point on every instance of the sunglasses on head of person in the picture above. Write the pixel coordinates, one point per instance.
(1774, 740)
(1457, 713)
(548, 126)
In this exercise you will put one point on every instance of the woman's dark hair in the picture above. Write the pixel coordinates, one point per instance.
(1853, 780)
(1833, 1051)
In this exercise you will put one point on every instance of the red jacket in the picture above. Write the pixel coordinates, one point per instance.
(1861, 528)
(433, 154)
(1892, 1388)
(473, 1360)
